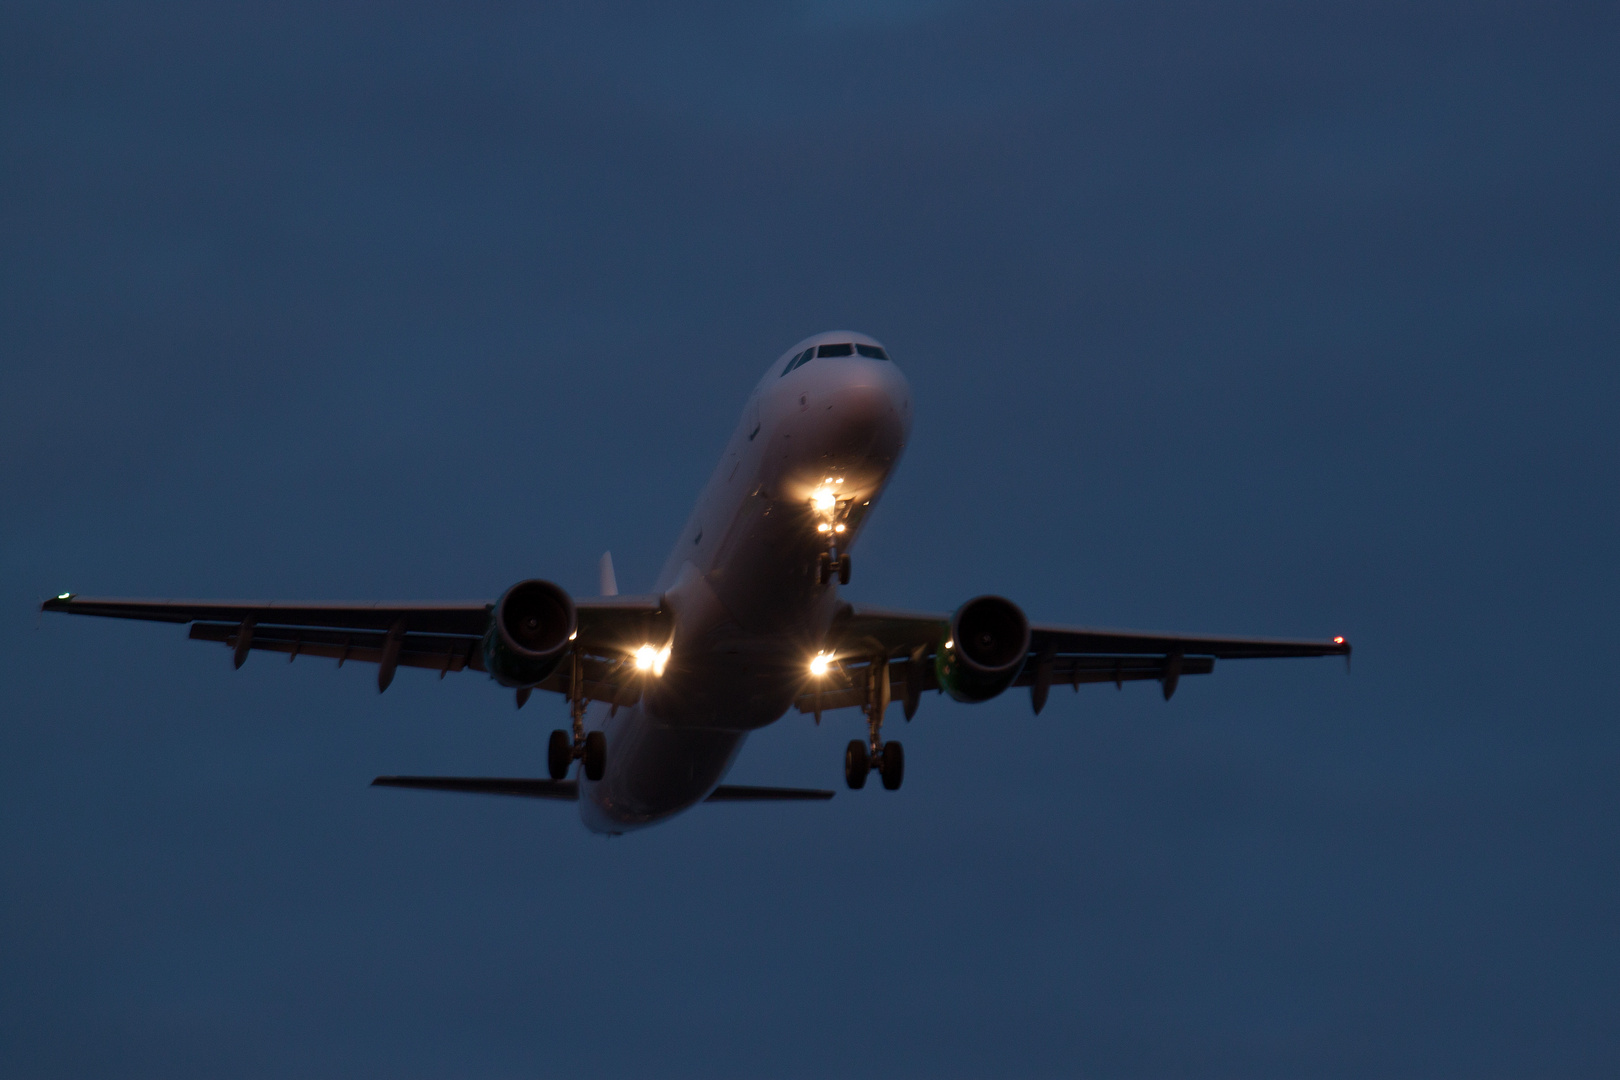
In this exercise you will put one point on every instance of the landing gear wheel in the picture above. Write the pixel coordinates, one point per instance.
(843, 570)
(824, 568)
(595, 755)
(559, 755)
(856, 764)
(892, 764)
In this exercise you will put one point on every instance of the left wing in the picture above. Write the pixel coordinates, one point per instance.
(442, 637)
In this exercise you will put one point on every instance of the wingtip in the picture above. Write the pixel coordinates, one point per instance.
(59, 602)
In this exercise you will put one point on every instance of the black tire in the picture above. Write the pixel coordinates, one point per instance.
(559, 755)
(856, 764)
(843, 570)
(893, 766)
(824, 568)
(595, 755)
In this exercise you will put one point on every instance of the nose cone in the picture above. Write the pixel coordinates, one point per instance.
(853, 423)
(868, 410)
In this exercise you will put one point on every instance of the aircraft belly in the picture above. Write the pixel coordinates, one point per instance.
(654, 771)
(732, 691)
(765, 577)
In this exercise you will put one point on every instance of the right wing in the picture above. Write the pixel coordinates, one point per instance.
(907, 641)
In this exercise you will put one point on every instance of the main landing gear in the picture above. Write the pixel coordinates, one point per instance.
(830, 563)
(890, 761)
(889, 758)
(562, 750)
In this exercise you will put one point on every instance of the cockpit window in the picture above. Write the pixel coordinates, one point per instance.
(843, 348)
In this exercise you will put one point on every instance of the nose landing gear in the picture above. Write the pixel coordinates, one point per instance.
(834, 510)
(831, 562)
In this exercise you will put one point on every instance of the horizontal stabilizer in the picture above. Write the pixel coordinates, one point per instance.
(568, 790)
(487, 785)
(739, 793)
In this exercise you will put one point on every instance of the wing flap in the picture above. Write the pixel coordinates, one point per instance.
(846, 688)
(436, 652)
(1075, 670)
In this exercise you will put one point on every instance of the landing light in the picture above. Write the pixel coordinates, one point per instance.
(838, 528)
(651, 659)
(824, 501)
(824, 527)
(948, 644)
(818, 664)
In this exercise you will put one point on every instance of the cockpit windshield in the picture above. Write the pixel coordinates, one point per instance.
(842, 348)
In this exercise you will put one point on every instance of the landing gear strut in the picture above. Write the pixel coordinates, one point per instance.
(591, 749)
(888, 757)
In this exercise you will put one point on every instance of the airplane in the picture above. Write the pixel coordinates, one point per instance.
(744, 623)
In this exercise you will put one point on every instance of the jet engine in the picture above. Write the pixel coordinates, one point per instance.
(986, 650)
(528, 633)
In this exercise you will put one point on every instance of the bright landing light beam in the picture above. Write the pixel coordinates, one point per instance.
(651, 659)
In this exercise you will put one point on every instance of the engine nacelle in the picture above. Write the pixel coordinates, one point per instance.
(986, 650)
(528, 633)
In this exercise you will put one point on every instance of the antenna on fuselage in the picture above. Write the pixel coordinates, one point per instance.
(604, 574)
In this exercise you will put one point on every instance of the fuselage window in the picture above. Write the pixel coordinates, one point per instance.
(835, 350)
(874, 351)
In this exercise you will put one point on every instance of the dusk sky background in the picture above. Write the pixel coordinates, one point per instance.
(1269, 319)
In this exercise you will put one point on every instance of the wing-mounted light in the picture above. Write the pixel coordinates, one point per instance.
(986, 648)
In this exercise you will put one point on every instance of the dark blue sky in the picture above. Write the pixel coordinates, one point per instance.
(1244, 318)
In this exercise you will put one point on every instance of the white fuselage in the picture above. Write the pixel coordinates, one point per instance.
(812, 452)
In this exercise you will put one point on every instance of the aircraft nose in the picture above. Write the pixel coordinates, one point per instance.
(871, 413)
